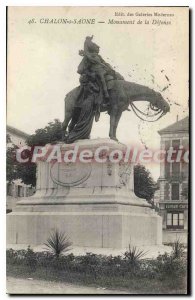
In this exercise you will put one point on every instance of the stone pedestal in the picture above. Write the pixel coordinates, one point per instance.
(93, 202)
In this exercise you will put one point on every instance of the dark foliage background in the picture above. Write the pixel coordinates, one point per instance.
(144, 184)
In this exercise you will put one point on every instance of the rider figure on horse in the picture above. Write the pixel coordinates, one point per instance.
(94, 64)
(97, 70)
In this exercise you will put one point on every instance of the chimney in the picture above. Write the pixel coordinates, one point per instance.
(177, 118)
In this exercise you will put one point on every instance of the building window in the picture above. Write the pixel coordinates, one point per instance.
(175, 144)
(175, 169)
(175, 191)
(175, 220)
(167, 169)
(167, 144)
(167, 164)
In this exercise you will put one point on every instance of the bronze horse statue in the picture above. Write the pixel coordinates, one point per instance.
(121, 95)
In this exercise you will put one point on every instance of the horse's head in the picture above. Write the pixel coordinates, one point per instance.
(158, 102)
(139, 92)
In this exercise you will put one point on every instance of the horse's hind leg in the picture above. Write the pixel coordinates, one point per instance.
(117, 119)
(111, 126)
(113, 115)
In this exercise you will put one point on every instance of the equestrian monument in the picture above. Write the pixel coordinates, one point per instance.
(85, 187)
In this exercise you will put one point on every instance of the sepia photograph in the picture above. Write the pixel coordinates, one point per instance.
(97, 150)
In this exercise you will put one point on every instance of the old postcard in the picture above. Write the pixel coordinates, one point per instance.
(97, 150)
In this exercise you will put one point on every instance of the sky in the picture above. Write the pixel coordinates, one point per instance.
(42, 61)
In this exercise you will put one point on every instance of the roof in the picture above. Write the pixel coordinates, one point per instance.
(16, 131)
(179, 126)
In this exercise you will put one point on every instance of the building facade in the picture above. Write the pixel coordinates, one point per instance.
(17, 188)
(173, 181)
(17, 137)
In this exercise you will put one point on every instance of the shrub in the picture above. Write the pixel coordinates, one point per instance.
(22, 257)
(178, 249)
(30, 259)
(93, 267)
(168, 266)
(58, 243)
(16, 256)
(133, 255)
(147, 269)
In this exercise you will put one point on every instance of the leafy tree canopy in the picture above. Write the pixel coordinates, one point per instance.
(144, 184)
(50, 134)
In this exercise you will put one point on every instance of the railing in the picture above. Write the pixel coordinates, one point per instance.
(179, 176)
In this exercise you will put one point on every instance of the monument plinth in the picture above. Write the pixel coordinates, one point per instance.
(92, 200)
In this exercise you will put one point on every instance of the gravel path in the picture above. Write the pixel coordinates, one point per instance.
(34, 286)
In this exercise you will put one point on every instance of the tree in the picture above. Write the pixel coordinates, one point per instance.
(144, 185)
(16, 170)
(11, 164)
(50, 134)
(27, 171)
